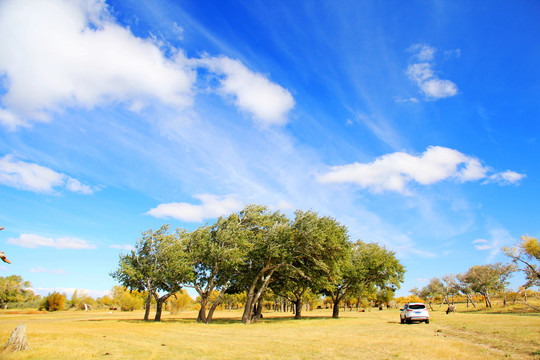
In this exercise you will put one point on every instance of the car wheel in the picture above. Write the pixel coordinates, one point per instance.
(409, 321)
(402, 320)
(427, 321)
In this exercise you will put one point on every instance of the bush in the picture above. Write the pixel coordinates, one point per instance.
(179, 301)
(53, 302)
(129, 302)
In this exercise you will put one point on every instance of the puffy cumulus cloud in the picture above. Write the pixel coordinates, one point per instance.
(253, 93)
(33, 177)
(392, 172)
(211, 206)
(66, 242)
(56, 54)
(423, 75)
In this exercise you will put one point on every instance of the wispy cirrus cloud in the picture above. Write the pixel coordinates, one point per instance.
(65, 242)
(126, 247)
(499, 237)
(33, 177)
(39, 269)
(211, 206)
(425, 77)
(392, 172)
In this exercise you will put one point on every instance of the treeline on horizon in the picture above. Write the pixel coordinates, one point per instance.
(257, 256)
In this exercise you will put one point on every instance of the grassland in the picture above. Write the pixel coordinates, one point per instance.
(369, 335)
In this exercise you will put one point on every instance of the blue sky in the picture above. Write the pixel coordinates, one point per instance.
(415, 124)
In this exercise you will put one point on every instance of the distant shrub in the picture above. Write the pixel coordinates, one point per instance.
(129, 302)
(179, 301)
(53, 302)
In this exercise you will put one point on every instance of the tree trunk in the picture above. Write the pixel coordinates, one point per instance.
(335, 310)
(298, 306)
(214, 306)
(159, 305)
(202, 311)
(147, 307)
(18, 341)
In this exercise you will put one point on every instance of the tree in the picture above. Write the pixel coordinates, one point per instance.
(157, 264)
(485, 279)
(215, 253)
(269, 247)
(323, 242)
(527, 252)
(367, 265)
(429, 292)
(54, 302)
(14, 289)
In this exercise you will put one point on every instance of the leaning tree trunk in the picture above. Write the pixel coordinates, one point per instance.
(159, 305)
(202, 311)
(18, 341)
(214, 306)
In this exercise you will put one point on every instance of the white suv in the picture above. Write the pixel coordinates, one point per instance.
(414, 312)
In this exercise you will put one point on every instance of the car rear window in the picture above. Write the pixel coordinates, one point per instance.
(417, 307)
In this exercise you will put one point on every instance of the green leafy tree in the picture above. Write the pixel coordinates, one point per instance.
(157, 265)
(270, 247)
(486, 279)
(14, 289)
(430, 292)
(322, 242)
(215, 253)
(367, 265)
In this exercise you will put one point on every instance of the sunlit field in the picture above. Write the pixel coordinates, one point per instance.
(368, 335)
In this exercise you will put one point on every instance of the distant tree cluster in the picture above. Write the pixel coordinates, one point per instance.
(257, 252)
(486, 280)
(14, 291)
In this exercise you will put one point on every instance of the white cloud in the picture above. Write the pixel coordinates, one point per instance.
(423, 52)
(35, 241)
(122, 247)
(57, 54)
(507, 177)
(429, 83)
(268, 102)
(212, 206)
(393, 171)
(70, 290)
(423, 75)
(39, 269)
(32, 177)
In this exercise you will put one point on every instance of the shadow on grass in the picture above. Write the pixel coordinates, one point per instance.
(216, 321)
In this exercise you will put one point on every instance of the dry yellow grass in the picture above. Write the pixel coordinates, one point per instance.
(369, 335)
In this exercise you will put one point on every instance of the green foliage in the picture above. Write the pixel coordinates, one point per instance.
(14, 289)
(157, 265)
